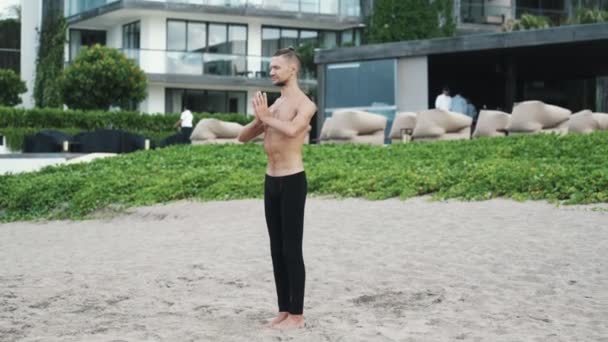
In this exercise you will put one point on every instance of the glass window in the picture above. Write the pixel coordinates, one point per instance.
(136, 34)
(358, 34)
(174, 100)
(237, 37)
(197, 36)
(195, 100)
(218, 39)
(176, 35)
(130, 40)
(237, 102)
(270, 41)
(289, 38)
(75, 43)
(329, 39)
(131, 36)
(289, 5)
(329, 7)
(360, 84)
(309, 6)
(205, 101)
(347, 38)
(350, 8)
(308, 37)
(83, 38)
(204, 37)
(367, 84)
(216, 101)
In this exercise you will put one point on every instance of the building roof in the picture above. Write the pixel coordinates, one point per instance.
(491, 41)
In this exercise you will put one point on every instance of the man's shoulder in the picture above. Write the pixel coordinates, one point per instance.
(305, 100)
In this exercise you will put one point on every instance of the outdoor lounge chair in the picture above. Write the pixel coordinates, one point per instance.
(355, 127)
(404, 123)
(214, 131)
(437, 124)
(492, 123)
(538, 117)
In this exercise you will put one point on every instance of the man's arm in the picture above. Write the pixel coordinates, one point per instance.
(251, 130)
(292, 128)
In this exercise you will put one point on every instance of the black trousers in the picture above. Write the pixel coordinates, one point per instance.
(284, 201)
(186, 132)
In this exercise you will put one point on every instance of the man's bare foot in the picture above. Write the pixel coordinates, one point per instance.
(291, 322)
(280, 318)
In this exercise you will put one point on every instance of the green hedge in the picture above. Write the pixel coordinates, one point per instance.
(569, 169)
(88, 120)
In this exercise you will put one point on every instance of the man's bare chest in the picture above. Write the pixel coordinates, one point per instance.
(283, 111)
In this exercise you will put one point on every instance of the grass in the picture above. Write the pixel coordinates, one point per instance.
(571, 169)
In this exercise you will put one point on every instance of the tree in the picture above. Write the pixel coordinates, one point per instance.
(49, 65)
(527, 22)
(590, 16)
(101, 77)
(15, 12)
(306, 52)
(398, 20)
(12, 86)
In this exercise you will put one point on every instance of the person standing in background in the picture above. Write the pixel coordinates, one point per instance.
(444, 100)
(185, 122)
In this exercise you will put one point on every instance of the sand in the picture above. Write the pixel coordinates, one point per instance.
(376, 271)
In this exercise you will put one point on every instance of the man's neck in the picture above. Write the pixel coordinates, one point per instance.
(290, 89)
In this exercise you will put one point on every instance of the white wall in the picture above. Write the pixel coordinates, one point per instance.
(30, 22)
(114, 37)
(155, 102)
(412, 84)
(153, 42)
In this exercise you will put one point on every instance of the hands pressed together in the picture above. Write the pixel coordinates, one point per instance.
(260, 106)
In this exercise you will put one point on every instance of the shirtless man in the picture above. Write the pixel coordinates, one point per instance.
(285, 126)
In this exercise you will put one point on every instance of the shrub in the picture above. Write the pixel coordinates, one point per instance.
(12, 86)
(101, 77)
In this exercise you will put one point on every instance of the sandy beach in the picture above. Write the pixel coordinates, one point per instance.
(388, 270)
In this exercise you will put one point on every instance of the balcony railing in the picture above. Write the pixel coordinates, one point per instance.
(480, 13)
(74, 7)
(199, 63)
(342, 8)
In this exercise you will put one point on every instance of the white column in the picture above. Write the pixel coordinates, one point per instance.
(254, 47)
(412, 84)
(30, 22)
(153, 39)
(114, 37)
(155, 102)
(250, 95)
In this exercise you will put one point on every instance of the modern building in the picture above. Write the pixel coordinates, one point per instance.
(212, 55)
(565, 66)
(207, 55)
(475, 16)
